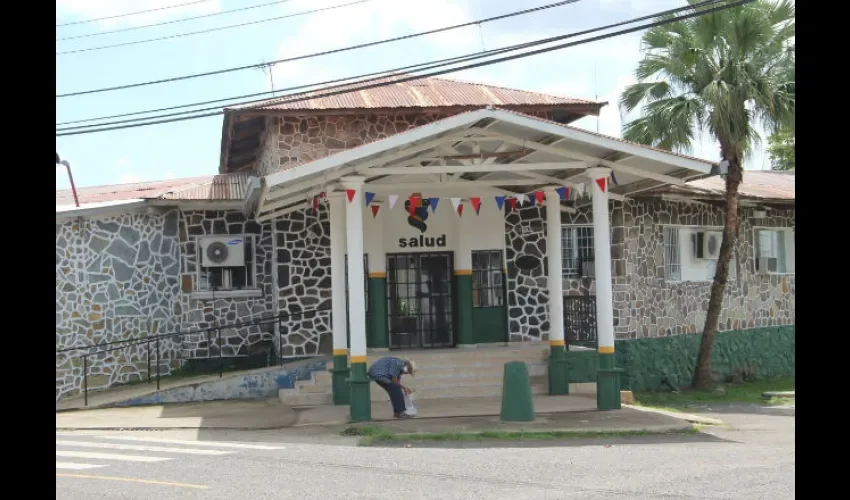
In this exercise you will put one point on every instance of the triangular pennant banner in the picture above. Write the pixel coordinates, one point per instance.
(562, 192)
(393, 198)
(369, 197)
(455, 203)
(512, 203)
(532, 200)
(459, 210)
(500, 201)
(539, 196)
(567, 194)
(580, 190)
(521, 199)
(350, 194)
(476, 204)
(614, 179)
(375, 209)
(316, 204)
(433, 202)
(602, 182)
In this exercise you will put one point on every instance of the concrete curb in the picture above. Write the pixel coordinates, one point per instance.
(176, 428)
(694, 419)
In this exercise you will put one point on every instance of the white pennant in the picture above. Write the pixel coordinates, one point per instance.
(580, 189)
(455, 203)
(392, 199)
(521, 199)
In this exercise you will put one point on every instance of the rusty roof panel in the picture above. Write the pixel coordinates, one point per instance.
(757, 184)
(207, 188)
(420, 93)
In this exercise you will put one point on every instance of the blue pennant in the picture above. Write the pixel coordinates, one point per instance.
(562, 192)
(433, 203)
(614, 180)
(369, 197)
(500, 201)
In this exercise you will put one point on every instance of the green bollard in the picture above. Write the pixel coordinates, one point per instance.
(517, 404)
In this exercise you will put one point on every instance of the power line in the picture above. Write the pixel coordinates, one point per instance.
(211, 30)
(174, 21)
(373, 76)
(666, 20)
(133, 13)
(323, 53)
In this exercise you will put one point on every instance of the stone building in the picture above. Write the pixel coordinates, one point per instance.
(458, 186)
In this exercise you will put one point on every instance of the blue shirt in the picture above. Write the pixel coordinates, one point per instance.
(386, 368)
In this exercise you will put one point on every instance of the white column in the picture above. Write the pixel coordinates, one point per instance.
(555, 276)
(602, 257)
(375, 243)
(354, 246)
(338, 298)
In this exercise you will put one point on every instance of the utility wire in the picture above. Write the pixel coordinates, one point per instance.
(133, 13)
(323, 53)
(211, 30)
(375, 76)
(661, 22)
(174, 21)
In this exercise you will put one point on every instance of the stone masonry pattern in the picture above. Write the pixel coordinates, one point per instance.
(116, 279)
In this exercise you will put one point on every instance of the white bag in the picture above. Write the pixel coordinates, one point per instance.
(408, 403)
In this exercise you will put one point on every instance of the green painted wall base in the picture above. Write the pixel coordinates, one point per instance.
(339, 374)
(377, 333)
(463, 292)
(607, 383)
(360, 404)
(559, 383)
(517, 404)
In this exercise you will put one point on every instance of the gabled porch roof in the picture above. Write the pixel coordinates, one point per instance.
(486, 151)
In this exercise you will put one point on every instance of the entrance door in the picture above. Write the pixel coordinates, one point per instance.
(419, 295)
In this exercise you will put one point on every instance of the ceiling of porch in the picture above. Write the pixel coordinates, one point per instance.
(487, 152)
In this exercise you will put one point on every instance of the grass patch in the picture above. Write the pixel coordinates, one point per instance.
(748, 392)
(376, 435)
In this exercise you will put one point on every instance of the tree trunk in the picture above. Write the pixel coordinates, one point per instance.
(702, 373)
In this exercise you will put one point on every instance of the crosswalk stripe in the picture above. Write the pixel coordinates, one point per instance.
(134, 447)
(70, 465)
(109, 456)
(218, 444)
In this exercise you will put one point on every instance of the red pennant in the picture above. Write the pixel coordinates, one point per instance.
(476, 204)
(350, 194)
(415, 202)
(323, 194)
(460, 210)
(375, 209)
(512, 203)
(603, 183)
(539, 196)
(316, 204)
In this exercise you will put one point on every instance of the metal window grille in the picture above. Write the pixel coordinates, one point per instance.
(228, 278)
(580, 319)
(770, 243)
(672, 254)
(488, 285)
(577, 252)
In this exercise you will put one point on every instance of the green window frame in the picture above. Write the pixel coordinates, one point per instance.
(488, 278)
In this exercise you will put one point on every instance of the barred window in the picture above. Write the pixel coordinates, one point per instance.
(672, 254)
(488, 284)
(577, 251)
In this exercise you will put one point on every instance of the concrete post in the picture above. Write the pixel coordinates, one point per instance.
(338, 300)
(558, 382)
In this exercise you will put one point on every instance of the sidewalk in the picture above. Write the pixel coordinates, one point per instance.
(447, 415)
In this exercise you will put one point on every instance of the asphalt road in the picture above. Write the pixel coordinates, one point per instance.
(752, 460)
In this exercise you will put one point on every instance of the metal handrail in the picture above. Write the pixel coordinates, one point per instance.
(156, 340)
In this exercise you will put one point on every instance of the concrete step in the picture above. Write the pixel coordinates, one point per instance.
(458, 391)
(291, 397)
(479, 355)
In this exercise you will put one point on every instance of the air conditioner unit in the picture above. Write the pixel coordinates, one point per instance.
(768, 265)
(707, 245)
(222, 251)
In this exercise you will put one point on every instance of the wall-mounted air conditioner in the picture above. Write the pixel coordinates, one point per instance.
(707, 245)
(222, 251)
(767, 265)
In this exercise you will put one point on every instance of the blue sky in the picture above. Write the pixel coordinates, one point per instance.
(597, 70)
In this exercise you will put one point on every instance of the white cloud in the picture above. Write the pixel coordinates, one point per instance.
(73, 10)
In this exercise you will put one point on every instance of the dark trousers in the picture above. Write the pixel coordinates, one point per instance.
(396, 395)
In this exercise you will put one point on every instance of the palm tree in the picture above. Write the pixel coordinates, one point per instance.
(726, 72)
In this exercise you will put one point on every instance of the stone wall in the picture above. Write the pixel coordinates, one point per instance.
(117, 278)
(528, 295)
(303, 278)
(202, 311)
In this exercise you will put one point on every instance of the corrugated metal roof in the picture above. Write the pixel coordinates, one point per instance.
(207, 188)
(757, 184)
(421, 93)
